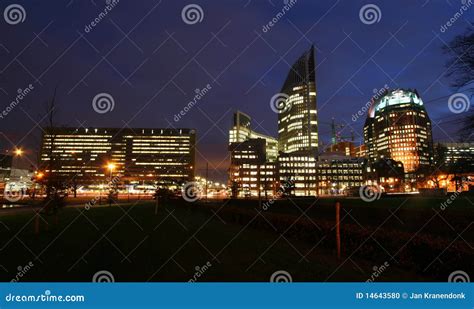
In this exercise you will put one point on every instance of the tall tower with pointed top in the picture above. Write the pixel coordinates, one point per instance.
(297, 121)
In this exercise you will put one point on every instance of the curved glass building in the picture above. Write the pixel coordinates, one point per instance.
(398, 128)
(297, 122)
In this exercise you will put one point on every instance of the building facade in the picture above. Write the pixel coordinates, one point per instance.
(251, 174)
(253, 155)
(387, 174)
(253, 180)
(298, 168)
(290, 159)
(339, 175)
(344, 147)
(360, 151)
(89, 155)
(297, 120)
(241, 131)
(459, 153)
(398, 128)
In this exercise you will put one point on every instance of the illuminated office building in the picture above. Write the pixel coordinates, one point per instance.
(398, 128)
(241, 131)
(339, 174)
(387, 174)
(293, 157)
(298, 128)
(360, 151)
(252, 168)
(298, 168)
(135, 154)
(459, 153)
(344, 147)
(297, 121)
(249, 173)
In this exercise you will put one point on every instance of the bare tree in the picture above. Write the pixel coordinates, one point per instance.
(461, 71)
(461, 63)
(55, 185)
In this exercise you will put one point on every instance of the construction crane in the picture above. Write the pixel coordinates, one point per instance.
(336, 132)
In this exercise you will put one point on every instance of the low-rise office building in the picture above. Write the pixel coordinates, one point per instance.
(93, 155)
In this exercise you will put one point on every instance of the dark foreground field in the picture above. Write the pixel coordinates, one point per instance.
(395, 239)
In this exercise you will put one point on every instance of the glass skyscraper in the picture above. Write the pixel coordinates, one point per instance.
(297, 122)
(399, 128)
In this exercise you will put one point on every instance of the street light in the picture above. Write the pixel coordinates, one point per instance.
(18, 152)
(37, 178)
(111, 168)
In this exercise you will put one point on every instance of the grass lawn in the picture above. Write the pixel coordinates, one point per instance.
(413, 214)
(134, 244)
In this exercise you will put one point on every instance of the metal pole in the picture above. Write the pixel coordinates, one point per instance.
(110, 189)
(258, 186)
(338, 230)
(207, 177)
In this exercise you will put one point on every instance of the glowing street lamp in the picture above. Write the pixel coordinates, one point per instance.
(18, 152)
(111, 166)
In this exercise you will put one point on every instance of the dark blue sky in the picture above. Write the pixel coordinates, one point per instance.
(150, 61)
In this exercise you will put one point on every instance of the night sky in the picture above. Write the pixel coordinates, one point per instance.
(151, 62)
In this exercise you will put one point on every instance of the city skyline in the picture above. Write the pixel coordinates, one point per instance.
(237, 141)
(350, 65)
